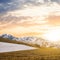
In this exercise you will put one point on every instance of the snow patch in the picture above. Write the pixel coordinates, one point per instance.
(9, 47)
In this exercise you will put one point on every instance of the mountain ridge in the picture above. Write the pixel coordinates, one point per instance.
(34, 41)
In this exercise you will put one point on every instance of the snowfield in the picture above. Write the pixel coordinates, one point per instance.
(9, 47)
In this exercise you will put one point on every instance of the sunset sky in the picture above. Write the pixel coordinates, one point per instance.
(39, 18)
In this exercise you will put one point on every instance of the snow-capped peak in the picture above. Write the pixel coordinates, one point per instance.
(28, 40)
(31, 40)
(7, 36)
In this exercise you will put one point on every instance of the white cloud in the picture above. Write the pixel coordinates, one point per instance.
(38, 15)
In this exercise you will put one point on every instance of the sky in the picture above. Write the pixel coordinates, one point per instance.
(29, 17)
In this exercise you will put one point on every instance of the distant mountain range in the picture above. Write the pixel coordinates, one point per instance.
(31, 40)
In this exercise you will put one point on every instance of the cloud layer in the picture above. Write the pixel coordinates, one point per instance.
(25, 16)
(9, 5)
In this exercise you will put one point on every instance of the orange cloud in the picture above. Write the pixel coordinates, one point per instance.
(54, 20)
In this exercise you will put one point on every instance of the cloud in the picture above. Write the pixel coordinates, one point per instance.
(5, 1)
(20, 14)
(51, 1)
(57, 1)
(35, 14)
(10, 5)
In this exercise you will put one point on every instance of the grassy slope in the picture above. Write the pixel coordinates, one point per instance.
(38, 54)
(17, 42)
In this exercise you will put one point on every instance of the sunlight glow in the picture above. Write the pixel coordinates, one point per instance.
(53, 35)
(34, 19)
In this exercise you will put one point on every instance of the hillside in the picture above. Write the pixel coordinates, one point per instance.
(17, 42)
(42, 53)
(30, 40)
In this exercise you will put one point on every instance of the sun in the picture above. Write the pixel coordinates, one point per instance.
(53, 35)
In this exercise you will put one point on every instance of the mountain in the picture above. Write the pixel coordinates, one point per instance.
(28, 40)
(33, 41)
(7, 36)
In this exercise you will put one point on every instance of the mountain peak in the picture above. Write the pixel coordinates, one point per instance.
(31, 40)
(7, 36)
